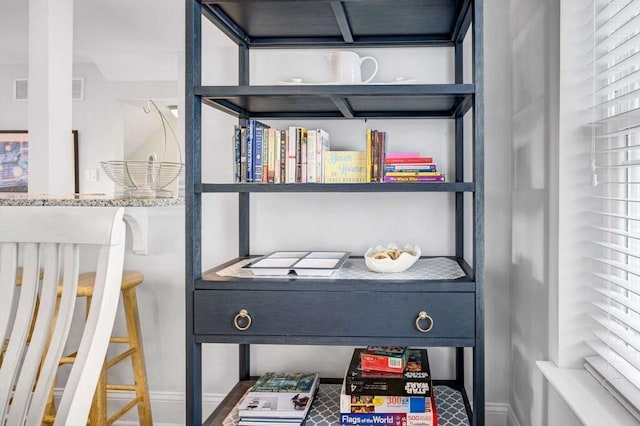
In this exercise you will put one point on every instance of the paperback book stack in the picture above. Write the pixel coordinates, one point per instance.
(279, 399)
(410, 167)
(389, 386)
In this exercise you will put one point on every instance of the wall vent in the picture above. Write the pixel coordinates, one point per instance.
(21, 89)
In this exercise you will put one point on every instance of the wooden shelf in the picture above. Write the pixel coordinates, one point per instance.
(372, 282)
(274, 23)
(336, 187)
(452, 405)
(341, 101)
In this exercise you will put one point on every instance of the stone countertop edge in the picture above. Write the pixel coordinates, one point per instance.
(92, 202)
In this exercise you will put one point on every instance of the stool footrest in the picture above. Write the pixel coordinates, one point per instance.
(116, 359)
(69, 359)
(128, 406)
(120, 340)
(113, 387)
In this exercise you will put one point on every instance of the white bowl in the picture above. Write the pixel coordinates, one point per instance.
(410, 255)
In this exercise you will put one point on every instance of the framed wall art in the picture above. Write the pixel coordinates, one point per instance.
(14, 160)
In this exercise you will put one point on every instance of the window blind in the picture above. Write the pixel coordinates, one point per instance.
(615, 264)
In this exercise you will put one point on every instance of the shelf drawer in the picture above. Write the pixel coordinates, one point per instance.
(347, 314)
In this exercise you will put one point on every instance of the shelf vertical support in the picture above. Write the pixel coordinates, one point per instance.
(459, 176)
(244, 204)
(243, 197)
(193, 206)
(478, 211)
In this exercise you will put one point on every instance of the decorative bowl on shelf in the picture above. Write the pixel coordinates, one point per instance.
(143, 179)
(391, 258)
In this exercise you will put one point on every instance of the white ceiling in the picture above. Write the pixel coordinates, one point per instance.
(151, 30)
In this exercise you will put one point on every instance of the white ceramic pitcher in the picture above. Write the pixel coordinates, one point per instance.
(346, 67)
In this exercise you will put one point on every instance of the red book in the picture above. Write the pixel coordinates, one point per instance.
(417, 160)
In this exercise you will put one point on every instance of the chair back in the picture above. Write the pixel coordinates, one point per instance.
(46, 243)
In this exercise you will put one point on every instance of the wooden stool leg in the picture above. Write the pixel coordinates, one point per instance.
(137, 357)
(98, 413)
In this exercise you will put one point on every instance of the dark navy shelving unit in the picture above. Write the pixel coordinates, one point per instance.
(212, 302)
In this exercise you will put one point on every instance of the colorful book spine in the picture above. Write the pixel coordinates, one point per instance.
(369, 151)
(236, 154)
(375, 148)
(426, 167)
(407, 173)
(269, 170)
(323, 145)
(415, 160)
(244, 147)
(393, 179)
(291, 155)
(284, 143)
(388, 419)
(303, 155)
(383, 404)
(312, 151)
(251, 156)
(277, 157)
(395, 155)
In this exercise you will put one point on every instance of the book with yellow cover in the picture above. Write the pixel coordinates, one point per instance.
(345, 167)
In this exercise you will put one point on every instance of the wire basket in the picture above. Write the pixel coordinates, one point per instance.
(143, 179)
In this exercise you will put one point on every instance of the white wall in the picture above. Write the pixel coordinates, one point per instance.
(539, 190)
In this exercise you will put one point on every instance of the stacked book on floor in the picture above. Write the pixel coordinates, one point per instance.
(388, 386)
(279, 399)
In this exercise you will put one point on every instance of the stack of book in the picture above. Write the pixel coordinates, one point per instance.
(410, 167)
(375, 154)
(267, 155)
(279, 399)
(388, 386)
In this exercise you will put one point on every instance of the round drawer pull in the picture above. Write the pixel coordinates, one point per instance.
(246, 318)
(422, 315)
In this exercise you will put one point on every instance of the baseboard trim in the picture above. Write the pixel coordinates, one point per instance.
(497, 414)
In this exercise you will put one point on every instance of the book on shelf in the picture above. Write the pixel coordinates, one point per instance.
(284, 137)
(279, 396)
(416, 179)
(243, 154)
(254, 143)
(427, 418)
(376, 142)
(410, 167)
(388, 410)
(405, 173)
(311, 155)
(397, 155)
(414, 380)
(237, 151)
(323, 144)
(345, 167)
(417, 159)
(292, 155)
(268, 173)
(391, 359)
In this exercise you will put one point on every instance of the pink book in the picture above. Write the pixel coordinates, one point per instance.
(389, 155)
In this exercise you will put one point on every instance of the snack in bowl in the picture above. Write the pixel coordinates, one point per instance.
(391, 258)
